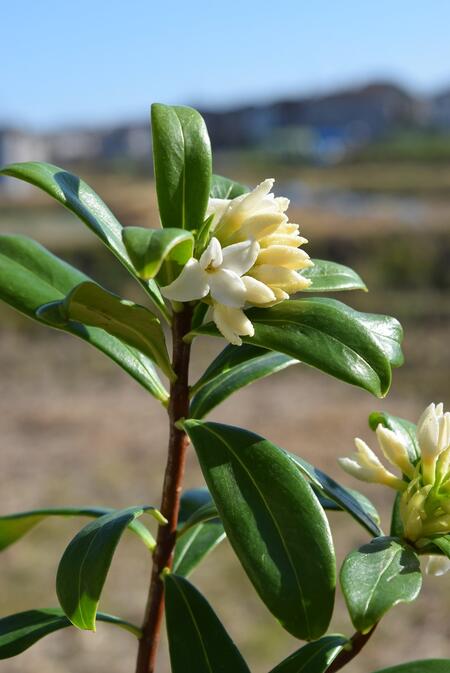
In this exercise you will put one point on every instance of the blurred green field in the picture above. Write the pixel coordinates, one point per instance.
(76, 431)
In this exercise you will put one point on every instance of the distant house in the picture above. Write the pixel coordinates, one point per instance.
(16, 146)
(440, 110)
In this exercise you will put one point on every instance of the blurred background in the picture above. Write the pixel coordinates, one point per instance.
(347, 105)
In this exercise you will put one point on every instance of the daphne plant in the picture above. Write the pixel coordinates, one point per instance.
(223, 261)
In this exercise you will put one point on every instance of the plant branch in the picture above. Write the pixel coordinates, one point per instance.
(355, 645)
(170, 503)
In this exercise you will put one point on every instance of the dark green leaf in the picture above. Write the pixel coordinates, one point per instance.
(31, 276)
(405, 430)
(182, 161)
(224, 188)
(80, 199)
(396, 529)
(424, 666)
(161, 252)
(359, 507)
(443, 544)
(198, 642)
(376, 577)
(313, 657)
(15, 526)
(234, 368)
(274, 523)
(200, 531)
(356, 347)
(332, 277)
(85, 563)
(131, 323)
(20, 631)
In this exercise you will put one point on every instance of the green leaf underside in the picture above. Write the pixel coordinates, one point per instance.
(274, 523)
(376, 577)
(80, 199)
(403, 428)
(332, 277)
(198, 536)
(198, 642)
(159, 252)
(359, 507)
(20, 631)
(182, 163)
(15, 526)
(424, 666)
(85, 563)
(134, 325)
(313, 657)
(355, 347)
(234, 368)
(224, 188)
(31, 276)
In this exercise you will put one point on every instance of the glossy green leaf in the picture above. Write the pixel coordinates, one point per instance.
(20, 631)
(182, 162)
(80, 199)
(131, 323)
(405, 430)
(199, 530)
(443, 544)
(198, 642)
(31, 276)
(423, 666)
(356, 347)
(274, 523)
(332, 277)
(359, 507)
(85, 563)
(376, 577)
(314, 657)
(224, 188)
(161, 252)
(234, 368)
(15, 526)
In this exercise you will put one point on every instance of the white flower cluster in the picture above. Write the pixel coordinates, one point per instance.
(253, 259)
(425, 486)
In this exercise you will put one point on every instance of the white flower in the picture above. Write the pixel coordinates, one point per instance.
(253, 259)
(437, 565)
(433, 435)
(365, 465)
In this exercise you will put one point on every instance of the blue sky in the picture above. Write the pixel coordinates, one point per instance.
(100, 61)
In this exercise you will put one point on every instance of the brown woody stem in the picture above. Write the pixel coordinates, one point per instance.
(170, 502)
(356, 643)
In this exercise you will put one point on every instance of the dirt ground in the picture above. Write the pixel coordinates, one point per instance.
(76, 431)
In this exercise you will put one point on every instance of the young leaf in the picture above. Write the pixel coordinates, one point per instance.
(360, 508)
(199, 530)
(332, 277)
(80, 199)
(20, 631)
(405, 430)
(85, 563)
(376, 577)
(356, 347)
(15, 526)
(274, 523)
(182, 162)
(424, 666)
(31, 276)
(158, 251)
(313, 657)
(198, 642)
(133, 324)
(234, 368)
(224, 188)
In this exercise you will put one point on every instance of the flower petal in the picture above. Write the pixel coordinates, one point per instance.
(285, 255)
(277, 276)
(257, 292)
(227, 288)
(258, 226)
(212, 256)
(232, 323)
(437, 565)
(240, 257)
(192, 283)
(282, 239)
